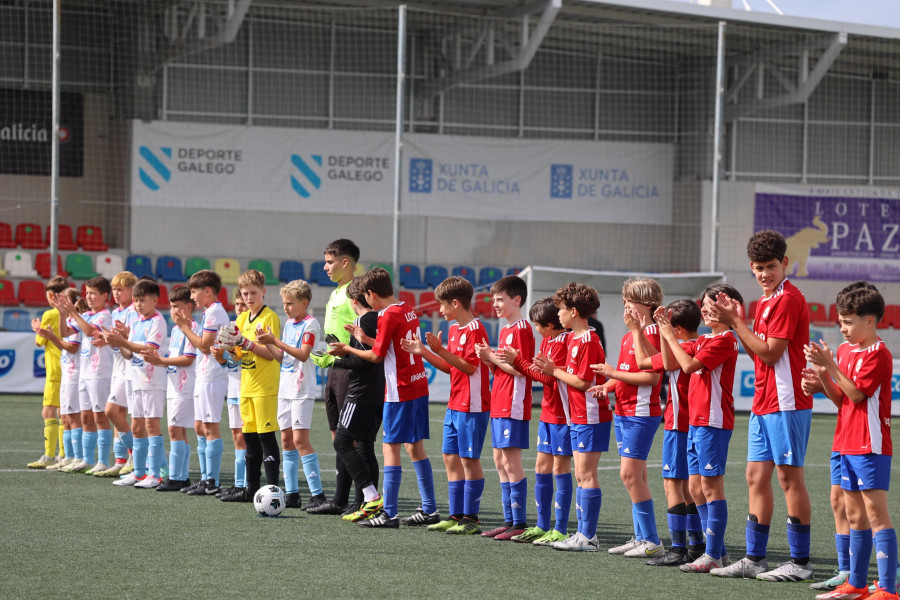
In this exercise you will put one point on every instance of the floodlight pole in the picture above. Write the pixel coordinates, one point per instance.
(717, 149)
(398, 135)
(54, 142)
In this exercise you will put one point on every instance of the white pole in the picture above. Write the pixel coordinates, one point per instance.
(398, 136)
(54, 142)
(717, 149)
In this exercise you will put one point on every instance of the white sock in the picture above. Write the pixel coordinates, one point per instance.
(370, 493)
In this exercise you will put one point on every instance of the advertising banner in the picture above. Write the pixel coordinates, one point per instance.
(21, 364)
(26, 128)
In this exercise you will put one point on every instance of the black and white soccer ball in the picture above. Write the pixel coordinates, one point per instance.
(269, 501)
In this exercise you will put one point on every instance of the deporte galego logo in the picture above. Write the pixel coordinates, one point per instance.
(153, 170)
(305, 179)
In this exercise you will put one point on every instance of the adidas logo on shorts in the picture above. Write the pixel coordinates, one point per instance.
(881, 555)
(581, 444)
(666, 468)
(627, 450)
(708, 467)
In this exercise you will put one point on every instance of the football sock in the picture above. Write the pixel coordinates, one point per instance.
(392, 479)
(120, 452)
(647, 520)
(677, 521)
(176, 459)
(127, 439)
(201, 455)
(518, 498)
(59, 432)
(693, 524)
(543, 498)
(88, 445)
(591, 499)
(504, 500)
(717, 523)
(67, 443)
(271, 457)
(757, 538)
(455, 491)
(155, 454)
(290, 462)
(703, 511)
(579, 515)
(842, 545)
(214, 449)
(254, 461)
(886, 558)
(240, 468)
(141, 448)
(563, 501)
(425, 479)
(860, 553)
(51, 435)
(798, 540)
(635, 521)
(370, 493)
(311, 471)
(472, 492)
(77, 451)
(104, 444)
(184, 466)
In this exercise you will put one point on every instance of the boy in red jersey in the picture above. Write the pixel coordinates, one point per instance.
(469, 409)
(781, 413)
(405, 403)
(861, 379)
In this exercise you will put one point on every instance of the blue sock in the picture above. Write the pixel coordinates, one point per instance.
(636, 523)
(391, 490)
(67, 443)
(647, 520)
(886, 558)
(579, 508)
(504, 499)
(240, 468)
(703, 512)
(176, 459)
(119, 449)
(311, 471)
(757, 539)
(798, 540)
(677, 529)
(716, 525)
(455, 491)
(563, 501)
(290, 462)
(104, 444)
(860, 553)
(518, 496)
(425, 479)
(472, 492)
(88, 445)
(155, 454)
(185, 467)
(127, 438)
(591, 499)
(842, 545)
(543, 497)
(201, 454)
(694, 526)
(214, 449)
(77, 451)
(141, 447)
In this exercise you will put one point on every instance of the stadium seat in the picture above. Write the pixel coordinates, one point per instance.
(425, 325)
(484, 305)
(225, 300)
(833, 314)
(265, 267)
(90, 238)
(163, 303)
(32, 293)
(318, 275)
(64, 238)
(411, 277)
(79, 266)
(17, 320)
(892, 316)
(139, 265)
(18, 264)
(467, 272)
(289, 270)
(228, 269)
(513, 271)
(194, 264)
(444, 330)
(170, 324)
(818, 314)
(42, 265)
(434, 275)
(109, 265)
(29, 236)
(488, 275)
(387, 267)
(168, 268)
(491, 326)
(6, 236)
(427, 304)
(407, 297)
(7, 293)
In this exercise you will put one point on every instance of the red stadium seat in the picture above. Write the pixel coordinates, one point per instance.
(407, 297)
(64, 238)
(225, 300)
(28, 236)
(484, 305)
(163, 303)
(892, 316)
(42, 265)
(6, 236)
(31, 293)
(427, 304)
(90, 238)
(818, 315)
(7, 293)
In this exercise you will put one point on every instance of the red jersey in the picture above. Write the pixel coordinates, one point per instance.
(676, 412)
(583, 351)
(469, 393)
(405, 377)
(842, 357)
(710, 395)
(637, 400)
(784, 315)
(865, 426)
(511, 396)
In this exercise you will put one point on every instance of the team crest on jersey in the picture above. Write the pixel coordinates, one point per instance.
(462, 339)
(766, 312)
(509, 339)
(574, 351)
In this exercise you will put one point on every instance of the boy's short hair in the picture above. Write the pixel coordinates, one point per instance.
(145, 287)
(512, 286)
(237, 296)
(685, 314)
(643, 290)
(57, 285)
(765, 246)
(544, 312)
(251, 277)
(343, 247)
(722, 288)
(579, 296)
(297, 289)
(378, 281)
(99, 283)
(181, 294)
(205, 278)
(455, 288)
(124, 279)
(355, 291)
(861, 299)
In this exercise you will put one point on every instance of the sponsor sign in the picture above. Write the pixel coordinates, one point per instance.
(26, 128)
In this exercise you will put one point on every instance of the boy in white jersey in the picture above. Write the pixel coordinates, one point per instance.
(296, 390)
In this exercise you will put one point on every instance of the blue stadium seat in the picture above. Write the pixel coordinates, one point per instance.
(491, 326)
(15, 319)
(488, 275)
(289, 270)
(434, 275)
(411, 277)
(424, 324)
(466, 272)
(140, 265)
(444, 329)
(168, 268)
(318, 275)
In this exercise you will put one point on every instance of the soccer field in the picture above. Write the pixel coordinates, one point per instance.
(76, 536)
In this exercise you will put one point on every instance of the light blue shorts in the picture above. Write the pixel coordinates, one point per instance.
(464, 433)
(707, 450)
(780, 437)
(405, 422)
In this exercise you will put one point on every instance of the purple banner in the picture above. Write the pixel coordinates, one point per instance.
(835, 233)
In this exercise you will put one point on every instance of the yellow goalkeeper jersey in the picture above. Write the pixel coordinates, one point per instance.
(259, 376)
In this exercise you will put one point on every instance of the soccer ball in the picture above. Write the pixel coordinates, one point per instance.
(269, 501)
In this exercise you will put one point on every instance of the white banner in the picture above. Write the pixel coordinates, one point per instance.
(21, 364)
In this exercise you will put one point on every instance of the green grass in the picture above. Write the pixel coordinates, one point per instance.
(76, 536)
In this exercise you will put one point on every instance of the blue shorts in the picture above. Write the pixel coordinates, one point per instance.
(707, 450)
(590, 438)
(780, 437)
(835, 468)
(674, 457)
(554, 439)
(860, 472)
(509, 433)
(634, 435)
(405, 422)
(464, 433)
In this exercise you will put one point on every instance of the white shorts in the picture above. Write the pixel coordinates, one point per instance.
(295, 414)
(84, 401)
(180, 412)
(117, 392)
(234, 416)
(98, 393)
(68, 399)
(148, 404)
(209, 398)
